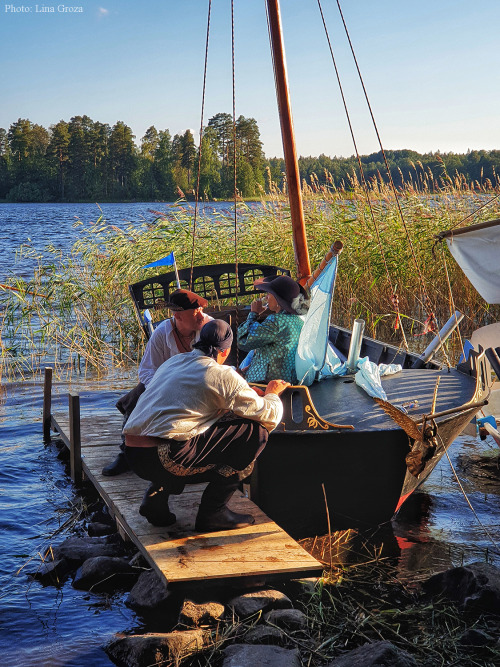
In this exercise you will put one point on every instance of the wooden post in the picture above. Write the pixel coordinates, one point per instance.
(75, 452)
(47, 404)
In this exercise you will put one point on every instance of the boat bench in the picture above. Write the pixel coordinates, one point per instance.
(215, 282)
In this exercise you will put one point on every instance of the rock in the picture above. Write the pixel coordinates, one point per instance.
(287, 619)
(240, 655)
(96, 529)
(474, 638)
(149, 593)
(52, 572)
(80, 549)
(375, 654)
(251, 603)
(207, 613)
(265, 634)
(475, 587)
(105, 574)
(139, 561)
(300, 587)
(155, 648)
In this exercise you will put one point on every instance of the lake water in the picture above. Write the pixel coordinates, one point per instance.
(48, 626)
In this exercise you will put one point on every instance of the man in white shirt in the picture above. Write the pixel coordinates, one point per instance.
(200, 421)
(173, 336)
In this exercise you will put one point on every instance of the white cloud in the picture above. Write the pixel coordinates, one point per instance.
(102, 11)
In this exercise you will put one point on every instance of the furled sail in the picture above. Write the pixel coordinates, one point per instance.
(477, 252)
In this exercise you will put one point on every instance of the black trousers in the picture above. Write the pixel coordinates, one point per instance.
(126, 404)
(226, 452)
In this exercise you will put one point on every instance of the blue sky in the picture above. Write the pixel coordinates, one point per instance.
(431, 69)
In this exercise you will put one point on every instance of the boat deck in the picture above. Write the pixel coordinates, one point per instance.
(256, 554)
(341, 401)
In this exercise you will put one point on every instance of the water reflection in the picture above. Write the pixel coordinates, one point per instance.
(436, 529)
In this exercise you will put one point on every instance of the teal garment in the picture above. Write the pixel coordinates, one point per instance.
(275, 343)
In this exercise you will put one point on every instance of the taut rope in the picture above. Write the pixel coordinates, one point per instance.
(197, 192)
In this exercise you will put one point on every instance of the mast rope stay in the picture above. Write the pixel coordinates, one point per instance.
(197, 191)
(394, 296)
(234, 158)
(426, 299)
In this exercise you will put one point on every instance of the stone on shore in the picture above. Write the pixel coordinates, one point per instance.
(79, 549)
(475, 587)
(240, 655)
(287, 619)
(104, 574)
(375, 654)
(155, 648)
(265, 634)
(149, 593)
(53, 572)
(194, 615)
(250, 603)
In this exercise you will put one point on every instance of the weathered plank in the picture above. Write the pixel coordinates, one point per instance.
(261, 552)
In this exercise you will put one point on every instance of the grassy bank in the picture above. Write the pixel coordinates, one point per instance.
(76, 308)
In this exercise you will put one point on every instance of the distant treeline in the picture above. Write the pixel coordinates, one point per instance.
(87, 160)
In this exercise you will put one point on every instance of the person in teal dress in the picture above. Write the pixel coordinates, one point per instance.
(274, 341)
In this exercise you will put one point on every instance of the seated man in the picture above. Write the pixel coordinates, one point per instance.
(200, 421)
(274, 341)
(172, 336)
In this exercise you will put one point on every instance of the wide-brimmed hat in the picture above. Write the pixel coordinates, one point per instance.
(183, 299)
(289, 294)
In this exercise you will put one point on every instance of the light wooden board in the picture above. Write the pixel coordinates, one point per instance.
(261, 552)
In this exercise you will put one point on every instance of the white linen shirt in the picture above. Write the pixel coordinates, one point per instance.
(190, 392)
(161, 346)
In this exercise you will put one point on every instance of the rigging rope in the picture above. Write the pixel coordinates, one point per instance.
(487, 533)
(234, 159)
(394, 297)
(427, 300)
(197, 192)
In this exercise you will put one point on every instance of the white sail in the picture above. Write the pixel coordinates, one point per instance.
(477, 252)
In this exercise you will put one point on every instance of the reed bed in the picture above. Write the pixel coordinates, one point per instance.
(75, 311)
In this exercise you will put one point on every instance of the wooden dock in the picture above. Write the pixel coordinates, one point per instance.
(259, 553)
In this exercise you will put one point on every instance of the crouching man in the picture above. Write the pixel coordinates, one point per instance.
(200, 421)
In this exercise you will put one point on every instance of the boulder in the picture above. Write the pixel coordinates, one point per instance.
(155, 648)
(79, 549)
(265, 634)
(251, 603)
(240, 655)
(474, 587)
(149, 593)
(375, 654)
(96, 529)
(195, 615)
(105, 574)
(53, 572)
(287, 619)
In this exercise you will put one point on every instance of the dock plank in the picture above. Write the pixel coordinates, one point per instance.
(179, 554)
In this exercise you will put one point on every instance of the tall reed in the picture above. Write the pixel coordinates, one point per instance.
(75, 311)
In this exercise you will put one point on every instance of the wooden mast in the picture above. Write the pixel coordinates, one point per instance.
(288, 138)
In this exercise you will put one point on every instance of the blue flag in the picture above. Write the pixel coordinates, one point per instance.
(169, 260)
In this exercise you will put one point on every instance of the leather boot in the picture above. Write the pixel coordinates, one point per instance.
(154, 506)
(214, 514)
(116, 467)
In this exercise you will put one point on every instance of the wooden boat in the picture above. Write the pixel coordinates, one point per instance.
(338, 459)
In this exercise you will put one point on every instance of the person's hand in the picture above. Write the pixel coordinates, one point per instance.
(257, 306)
(276, 387)
(258, 391)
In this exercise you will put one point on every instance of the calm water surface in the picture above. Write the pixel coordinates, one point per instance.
(48, 626)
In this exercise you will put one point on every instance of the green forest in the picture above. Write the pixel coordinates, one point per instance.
(86, 160)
